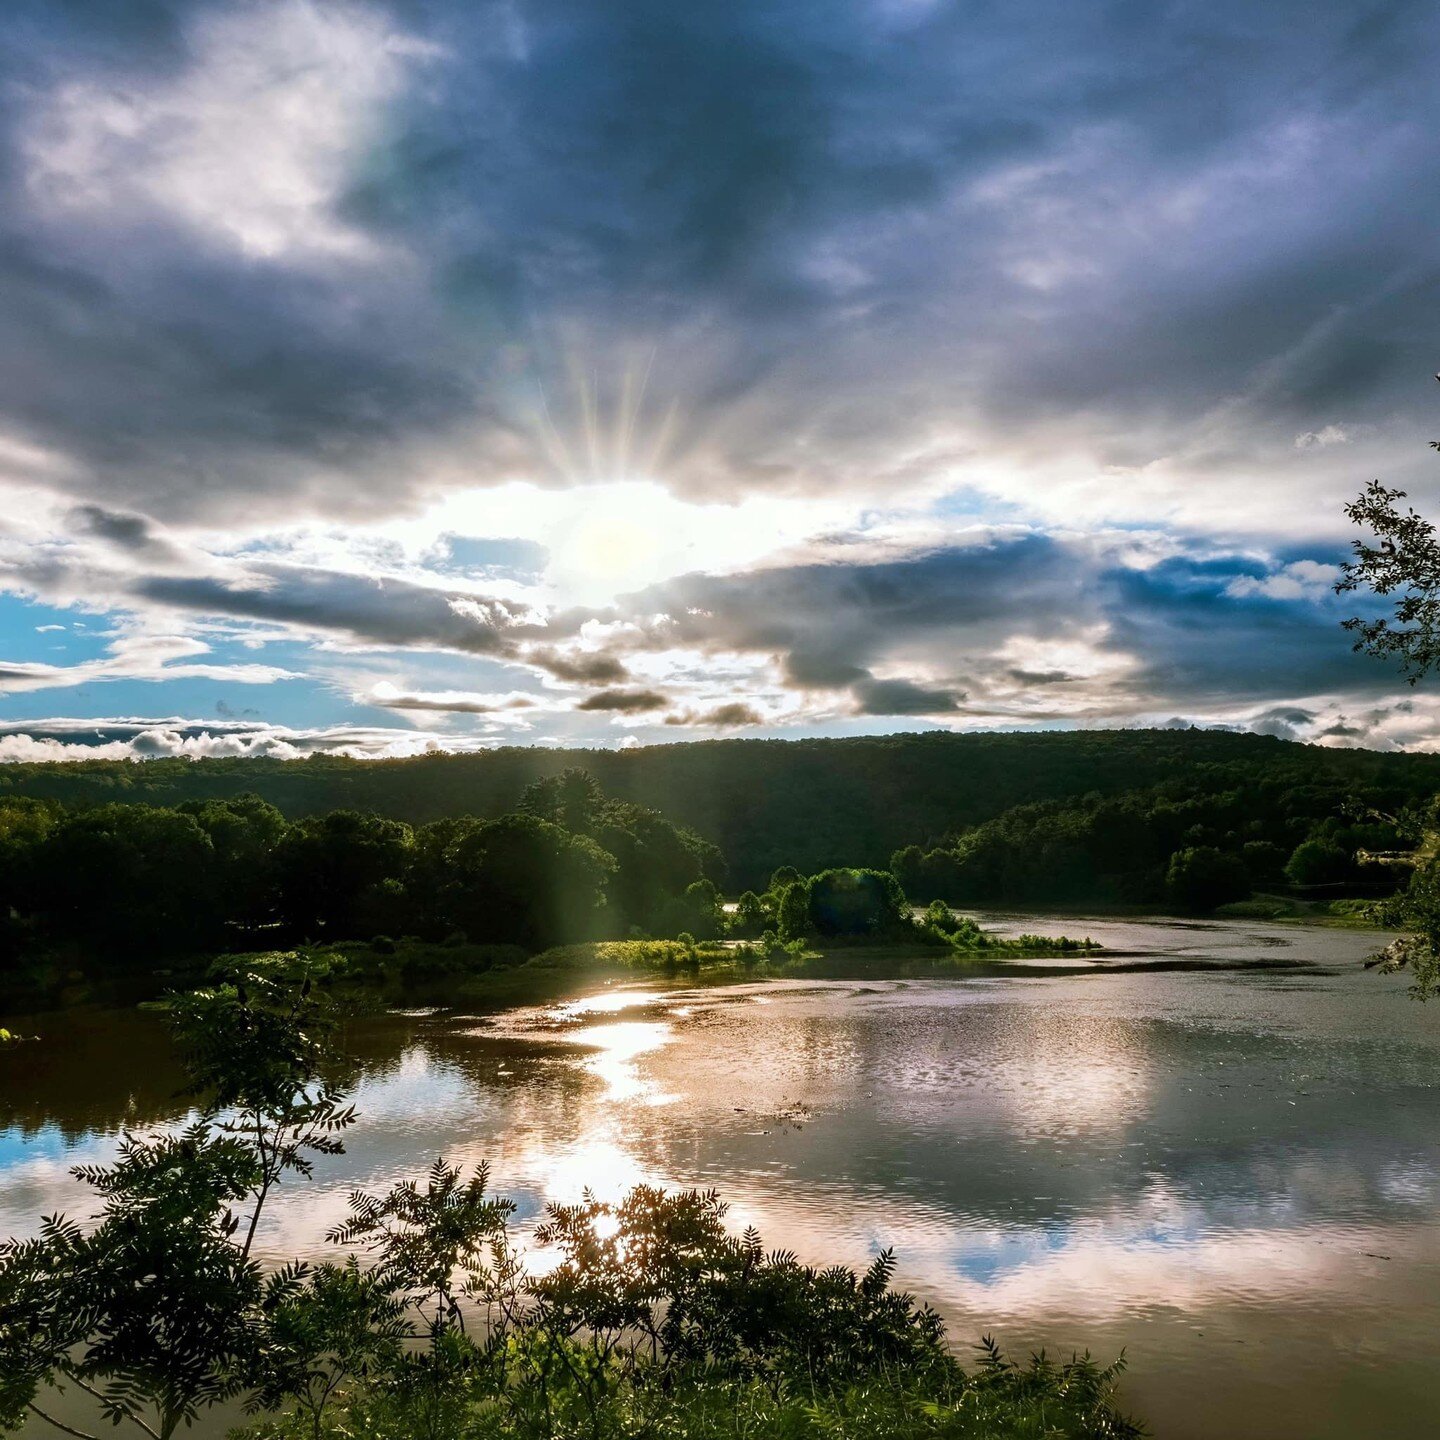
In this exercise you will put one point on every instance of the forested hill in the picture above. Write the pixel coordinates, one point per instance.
(808, 803)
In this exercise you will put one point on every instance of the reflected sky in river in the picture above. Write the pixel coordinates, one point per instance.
(1234, 1173)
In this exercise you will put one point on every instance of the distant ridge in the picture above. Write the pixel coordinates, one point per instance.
(811, 803)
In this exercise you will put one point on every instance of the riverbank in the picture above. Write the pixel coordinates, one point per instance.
(416, 972)
(429, 973)
(1351, 914)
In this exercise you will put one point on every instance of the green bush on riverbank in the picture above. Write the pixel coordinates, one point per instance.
(488, 976)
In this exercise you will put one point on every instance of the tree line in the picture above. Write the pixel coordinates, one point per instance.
(814, 804)
(1192, 844)
(141, 883)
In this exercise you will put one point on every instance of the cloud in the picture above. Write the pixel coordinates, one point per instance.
(581, 666)
(1328, 435)
(1284, 722)
(374, 611)
(1302, 579)
(455, 702)
(144, 739)
(904, 697)
(139, 149)
(1024, 626)
(734, 714)
(624, 702)
(340, 260)
(136, 655)
(683, 350)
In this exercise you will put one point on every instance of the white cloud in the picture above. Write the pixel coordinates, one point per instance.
(136, 655)
(147, 739)
(1319, 439)
(249, 145)
(1301, 580)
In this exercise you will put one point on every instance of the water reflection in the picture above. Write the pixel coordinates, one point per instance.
(1233, 1174)
(619, 1046)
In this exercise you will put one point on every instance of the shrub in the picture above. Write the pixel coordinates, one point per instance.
(1202, 877)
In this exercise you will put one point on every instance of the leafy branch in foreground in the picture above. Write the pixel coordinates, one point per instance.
(155, 1313)
(258, 1049)
(1404, 560)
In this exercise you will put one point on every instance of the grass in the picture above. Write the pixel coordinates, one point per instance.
(566, 969)
(1331, 914)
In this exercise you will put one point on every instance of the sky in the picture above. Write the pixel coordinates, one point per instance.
(380, 378)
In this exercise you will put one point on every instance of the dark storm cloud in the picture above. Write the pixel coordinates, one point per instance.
(625, 702)
(129, 532)
(373, 612)
(1112, 214)
(904, 697)
(830, 622)
(733, 715)
(1197, 638)
(1209, 629)
(579, 667)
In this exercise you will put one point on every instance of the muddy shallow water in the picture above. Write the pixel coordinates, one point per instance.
(1232, 1171)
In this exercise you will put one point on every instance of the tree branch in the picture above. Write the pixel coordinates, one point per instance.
(105, 1400)
(59, 1424)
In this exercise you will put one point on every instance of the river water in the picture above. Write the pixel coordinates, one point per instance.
(1215, 1147)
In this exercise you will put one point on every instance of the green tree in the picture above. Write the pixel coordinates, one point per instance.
(857, 902)
(1403, 561)
(243, 833)
(521, 880)
(146, 1312)
(750, 917)
(126, 880)
(340, 874)
(1320, 861)
(258, 1050)
(153, 1311)
(792, 911)
(572, 800)
(1202, 877)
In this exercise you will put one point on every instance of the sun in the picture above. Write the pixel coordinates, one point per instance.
(609, 548)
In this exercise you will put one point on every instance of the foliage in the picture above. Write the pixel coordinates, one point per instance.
(133, 885)
(857, 902)
(423, 1238)
(1122, 847)
(1416, 911)
(1201, 877)
(1319, 861)
(155, 1311)
(751, 917)
(150, 1311)
(1403, 561)
(811, 804)
(256, 1048)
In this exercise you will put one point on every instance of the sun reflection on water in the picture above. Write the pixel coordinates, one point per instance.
(618, 1046)
(605, 1003)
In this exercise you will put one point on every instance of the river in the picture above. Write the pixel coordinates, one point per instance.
(1220, 1152)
